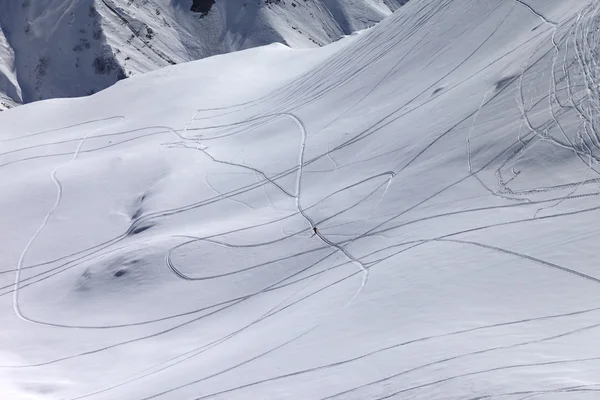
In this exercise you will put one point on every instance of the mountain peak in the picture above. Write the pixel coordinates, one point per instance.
(68, 48)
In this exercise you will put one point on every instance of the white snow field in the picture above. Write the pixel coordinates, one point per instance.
(157, 236)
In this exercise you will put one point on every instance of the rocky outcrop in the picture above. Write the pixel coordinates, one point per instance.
(60, 49)
(68, 48)
(202, 6)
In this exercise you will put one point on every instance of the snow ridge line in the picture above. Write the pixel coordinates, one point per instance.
(59, 194)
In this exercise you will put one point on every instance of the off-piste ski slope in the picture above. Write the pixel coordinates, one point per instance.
(70, 48)
(156, 237)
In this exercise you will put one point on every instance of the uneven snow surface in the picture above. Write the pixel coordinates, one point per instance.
(157, 236)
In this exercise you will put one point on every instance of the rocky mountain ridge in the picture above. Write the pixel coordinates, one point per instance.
(72, 48)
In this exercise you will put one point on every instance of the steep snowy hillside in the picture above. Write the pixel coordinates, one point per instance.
(10, 92)
(68, 48)
(408, 213)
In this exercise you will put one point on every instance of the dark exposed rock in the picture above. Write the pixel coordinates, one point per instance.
(137, 214)
(507, 80)
(202, 6)
(140, 229)
(104, 64)
(120, 272)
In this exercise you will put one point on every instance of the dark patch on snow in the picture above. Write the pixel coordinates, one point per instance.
(83, 281)
(202, 6)
(137, 213)
(504, 82)
(105, 64)
(120, 272)
(140, 229)
(138, 206)
(436, 91)
(149, 33)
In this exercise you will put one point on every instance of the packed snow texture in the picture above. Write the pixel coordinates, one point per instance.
(69, 48)
(157, 237)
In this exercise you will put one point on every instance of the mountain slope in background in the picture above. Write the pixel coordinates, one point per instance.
(69, 48)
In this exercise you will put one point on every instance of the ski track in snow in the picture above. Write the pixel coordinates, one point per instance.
(516, 204)
(59, 193)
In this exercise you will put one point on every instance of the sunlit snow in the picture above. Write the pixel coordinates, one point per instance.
(158, 237)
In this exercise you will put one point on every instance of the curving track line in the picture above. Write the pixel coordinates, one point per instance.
(59, 193)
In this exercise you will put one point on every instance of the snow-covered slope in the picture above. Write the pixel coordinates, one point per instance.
(158, 236)
(69, 48)
(10, 92)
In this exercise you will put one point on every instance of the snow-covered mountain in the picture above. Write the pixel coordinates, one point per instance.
(408, 213)
(67, 48)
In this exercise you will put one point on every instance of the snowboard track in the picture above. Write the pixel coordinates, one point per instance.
(289, 104)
